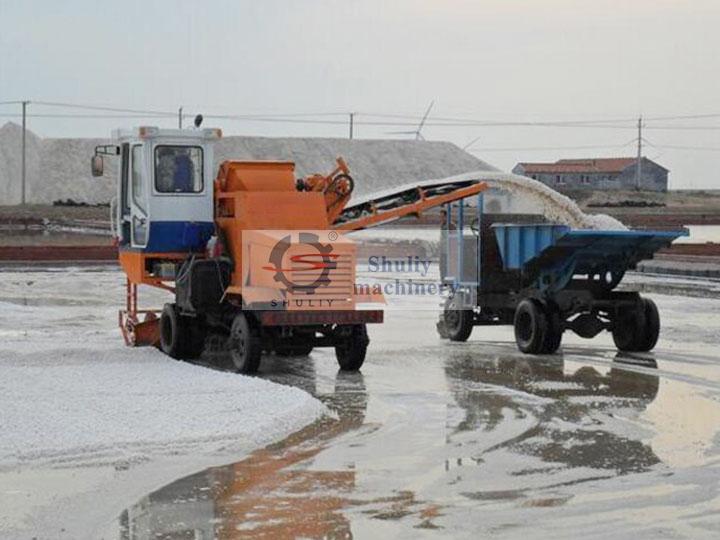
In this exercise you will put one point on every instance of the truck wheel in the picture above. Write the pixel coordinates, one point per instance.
(638, 330)
(294, 350)
(350, 354)
(553, 336)
(245, 345)
(651, 331)
(457, 323)
(173, 332)
(531, 326)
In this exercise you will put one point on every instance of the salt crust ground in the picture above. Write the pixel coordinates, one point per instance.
(88, 425)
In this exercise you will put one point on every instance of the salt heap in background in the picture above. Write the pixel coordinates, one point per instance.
(58, 169)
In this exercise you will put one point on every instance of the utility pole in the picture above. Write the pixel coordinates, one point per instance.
(352, 118)
(638, 165)
(22, 173)
(180, 118)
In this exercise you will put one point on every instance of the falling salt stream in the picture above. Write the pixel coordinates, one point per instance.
(554, 206)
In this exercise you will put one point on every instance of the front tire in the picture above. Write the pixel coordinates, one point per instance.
(173, 333)
(457, 322)
(350, 354)
(531, 326)
(245, 345)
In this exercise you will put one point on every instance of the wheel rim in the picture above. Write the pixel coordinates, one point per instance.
(524, 326)
(452, 318)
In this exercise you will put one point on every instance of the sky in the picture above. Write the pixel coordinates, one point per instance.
(605, 62)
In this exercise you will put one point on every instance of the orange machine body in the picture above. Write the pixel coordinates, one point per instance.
(260, 208)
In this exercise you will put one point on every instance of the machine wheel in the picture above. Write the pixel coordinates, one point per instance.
(173, 333)
(553, 336)
(351, 353)
(244, 344)
(458, 323)
(293, 350)
(531, 326)
(638, 330)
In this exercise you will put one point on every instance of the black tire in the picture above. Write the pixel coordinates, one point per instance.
(638, 330)
(350, 354)
(244, 345)
(457, 323)
(553, 336)
(293, 350)
(531, 326)
(173, 333)
(651, 331)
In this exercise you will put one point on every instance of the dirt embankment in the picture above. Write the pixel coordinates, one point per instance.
(650, 209)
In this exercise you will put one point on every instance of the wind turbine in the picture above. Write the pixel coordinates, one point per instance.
(417, 132)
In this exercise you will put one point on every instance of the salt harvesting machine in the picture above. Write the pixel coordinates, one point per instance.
(544, 278)
(256, 259)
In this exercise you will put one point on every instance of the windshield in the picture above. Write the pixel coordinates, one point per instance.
(178, 169)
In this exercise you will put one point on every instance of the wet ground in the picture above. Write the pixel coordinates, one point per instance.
(445, 440)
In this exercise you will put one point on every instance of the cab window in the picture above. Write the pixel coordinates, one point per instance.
(178, 169)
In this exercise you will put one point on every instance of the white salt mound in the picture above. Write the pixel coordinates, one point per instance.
(59, 169)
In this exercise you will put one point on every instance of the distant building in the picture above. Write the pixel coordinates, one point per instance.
(597, 173)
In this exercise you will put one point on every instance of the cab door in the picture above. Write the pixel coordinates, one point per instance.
(138, 200)
(123, 215)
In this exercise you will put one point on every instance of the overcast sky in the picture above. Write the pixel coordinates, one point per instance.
(534, 60)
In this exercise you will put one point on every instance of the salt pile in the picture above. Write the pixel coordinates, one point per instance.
(59, 169)
(73, 402)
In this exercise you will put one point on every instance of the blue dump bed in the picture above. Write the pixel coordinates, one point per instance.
(548, 247)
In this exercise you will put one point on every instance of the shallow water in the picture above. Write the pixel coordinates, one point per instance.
(466, 440)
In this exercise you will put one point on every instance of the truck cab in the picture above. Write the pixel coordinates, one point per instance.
(164, 199)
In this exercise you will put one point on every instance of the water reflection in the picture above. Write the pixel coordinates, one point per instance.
(569, 412)
(270, 494)
(517, 427)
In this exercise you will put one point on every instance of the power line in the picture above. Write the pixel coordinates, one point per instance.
(322, 118)
(79, 116)
(541, 148)
(102, 108)
(577, 147)
(680, 147)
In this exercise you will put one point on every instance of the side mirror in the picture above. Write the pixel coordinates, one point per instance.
(97, 165)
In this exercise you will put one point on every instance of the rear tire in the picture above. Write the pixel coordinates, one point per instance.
(553, 336)
(638, 330)
(531, 326)
(351, 353)
(651, 332)
(245, 345)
